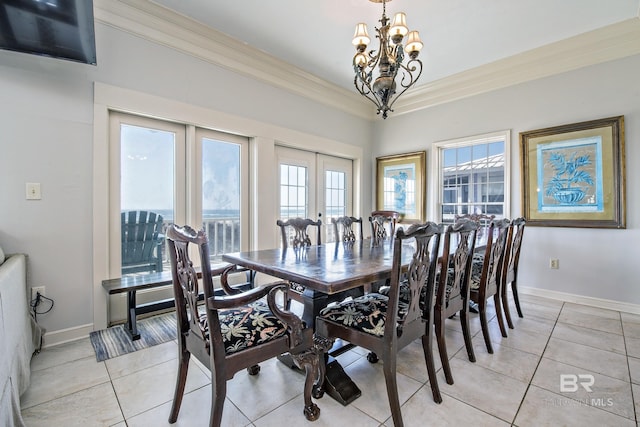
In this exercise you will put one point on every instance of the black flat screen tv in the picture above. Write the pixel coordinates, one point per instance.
(57, 28)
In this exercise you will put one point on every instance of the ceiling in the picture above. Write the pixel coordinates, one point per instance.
(458, 35)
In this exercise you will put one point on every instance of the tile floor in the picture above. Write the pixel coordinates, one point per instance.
(518, 385)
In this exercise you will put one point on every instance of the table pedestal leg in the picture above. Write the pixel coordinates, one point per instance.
(337, 383)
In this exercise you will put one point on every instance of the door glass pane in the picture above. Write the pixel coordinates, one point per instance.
(293, 191)
(147, 185)
(335, 201)
(221, 197)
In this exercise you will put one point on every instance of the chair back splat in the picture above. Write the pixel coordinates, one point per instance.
(347, 223)
(294, 232)
(483, 221)
(268, 330)
(383, 225)
(385, 324)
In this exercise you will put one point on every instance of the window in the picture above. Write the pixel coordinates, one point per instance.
(472, 176)
(185, 174)
(223, 184)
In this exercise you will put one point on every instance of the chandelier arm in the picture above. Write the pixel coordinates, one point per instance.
(364, 77)
(361, 85)
(407, 73)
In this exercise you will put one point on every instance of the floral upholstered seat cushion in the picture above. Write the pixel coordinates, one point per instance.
(367, 313)
(247, 326)
(476, 270)
(404, 292)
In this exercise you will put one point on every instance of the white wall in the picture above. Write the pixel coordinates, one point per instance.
(46, 117)
(597, 263)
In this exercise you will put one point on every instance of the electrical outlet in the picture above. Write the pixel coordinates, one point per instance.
(35, 291)
(554, 263)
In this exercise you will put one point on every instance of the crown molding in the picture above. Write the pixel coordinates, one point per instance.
(163, 26)
(608, 43)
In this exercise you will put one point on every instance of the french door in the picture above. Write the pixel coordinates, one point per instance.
(315, 186)
(182, 173)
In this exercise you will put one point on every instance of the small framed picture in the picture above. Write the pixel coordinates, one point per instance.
(401, 185)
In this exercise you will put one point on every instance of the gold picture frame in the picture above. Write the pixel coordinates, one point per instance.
(574, 175)
(400, 185)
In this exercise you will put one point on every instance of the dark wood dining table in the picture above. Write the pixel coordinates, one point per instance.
(325, 270)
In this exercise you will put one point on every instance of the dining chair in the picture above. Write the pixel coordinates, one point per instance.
(236, 331)
(510, 267)
(486, 276)
(294, 232)
(483, 221)
(383, 228)
(385, 324)
(452, 287)
(346, 224)
(383, 225)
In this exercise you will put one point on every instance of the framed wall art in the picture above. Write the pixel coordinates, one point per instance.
(400, 185)
(574, 175)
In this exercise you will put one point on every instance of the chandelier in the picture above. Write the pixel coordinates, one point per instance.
(388, 59)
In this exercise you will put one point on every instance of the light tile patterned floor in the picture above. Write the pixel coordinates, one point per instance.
(520, 384)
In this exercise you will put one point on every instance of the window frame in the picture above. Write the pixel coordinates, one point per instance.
(437, 152)
(196, 171)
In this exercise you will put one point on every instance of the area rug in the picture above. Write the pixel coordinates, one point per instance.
(115, 341)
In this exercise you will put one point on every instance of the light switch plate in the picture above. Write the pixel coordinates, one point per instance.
(33, 191)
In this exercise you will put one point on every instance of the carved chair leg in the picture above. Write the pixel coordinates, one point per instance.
(389, 368)
(505, 307)
(218, 394)
(427, 348)
(253, 370)
(310, 361)
(466, 332)
(498, 306)
(321, 346)
(482, 309)
(442, 347)
(181, 380)
(514, 290)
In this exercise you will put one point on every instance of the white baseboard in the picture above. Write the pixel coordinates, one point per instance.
(62, 336)
(580, 299)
